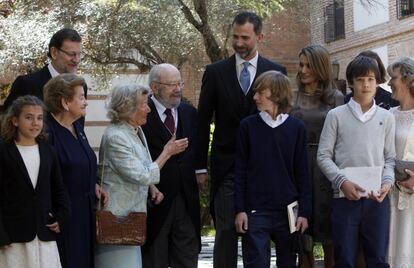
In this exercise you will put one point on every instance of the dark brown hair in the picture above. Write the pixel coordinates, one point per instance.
(8, 129)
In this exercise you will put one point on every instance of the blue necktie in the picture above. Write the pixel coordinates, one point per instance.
(245, 77)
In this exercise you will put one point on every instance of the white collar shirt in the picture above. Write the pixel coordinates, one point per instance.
(363, 117)
(161, 111)
(280, 119)
(53, 72)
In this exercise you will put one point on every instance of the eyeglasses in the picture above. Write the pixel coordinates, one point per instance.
(71, 54)
(179, 84)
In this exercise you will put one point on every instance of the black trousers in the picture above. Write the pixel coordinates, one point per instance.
(225, 245)
(176, 245)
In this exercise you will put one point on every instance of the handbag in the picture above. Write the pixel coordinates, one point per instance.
(120, 230)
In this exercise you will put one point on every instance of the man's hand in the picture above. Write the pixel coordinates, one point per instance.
(156, 195)
(202, 181)
(302, 224)
(241, 222)
(385, 188)
(351, 190)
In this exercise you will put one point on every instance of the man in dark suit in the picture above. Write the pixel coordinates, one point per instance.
(173, 225)
(227, 94)
(65, 56)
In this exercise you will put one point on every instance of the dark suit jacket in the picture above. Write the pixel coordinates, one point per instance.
(178, 174)
(222, 97)
(30, 84)
(23, 209)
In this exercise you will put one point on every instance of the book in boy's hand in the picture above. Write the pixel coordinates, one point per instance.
(292, 211)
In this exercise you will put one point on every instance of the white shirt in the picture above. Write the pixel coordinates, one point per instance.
(52, 70)
(161, 111)
(31, 159)
(363, 117)
(280, 119)
(252, 67)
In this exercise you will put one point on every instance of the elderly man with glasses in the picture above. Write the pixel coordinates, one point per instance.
(173, 225)
(65, 55)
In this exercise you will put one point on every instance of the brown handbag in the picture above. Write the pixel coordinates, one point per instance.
(120, 230)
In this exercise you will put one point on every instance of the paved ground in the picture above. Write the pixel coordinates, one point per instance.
(205, 259)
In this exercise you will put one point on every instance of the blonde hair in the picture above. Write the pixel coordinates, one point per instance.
(279, 86)
(405, 65)
(8, 129)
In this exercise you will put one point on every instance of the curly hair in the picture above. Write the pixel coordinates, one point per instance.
(122, 101)
(61, 87)
(8, 129)
(405, 66)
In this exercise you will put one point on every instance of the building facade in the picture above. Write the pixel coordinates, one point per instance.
(347, 27)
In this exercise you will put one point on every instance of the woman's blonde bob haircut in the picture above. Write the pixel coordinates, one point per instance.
(279, 86)
(61, 87)
(405, 66)
(122, 101)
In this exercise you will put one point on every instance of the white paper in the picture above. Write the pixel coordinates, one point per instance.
(368, 178)
(292, 210)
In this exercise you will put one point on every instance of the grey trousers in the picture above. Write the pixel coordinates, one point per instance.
(225, 245)
(176, 245)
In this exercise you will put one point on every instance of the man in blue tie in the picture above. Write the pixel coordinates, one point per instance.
(227, 95)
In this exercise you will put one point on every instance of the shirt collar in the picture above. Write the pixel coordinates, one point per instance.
(280, 119)
(253, 62)
(356, 107)
(161, 108)
(52, 70)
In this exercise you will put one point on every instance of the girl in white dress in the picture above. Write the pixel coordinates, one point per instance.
(33, 203)
(401, 247)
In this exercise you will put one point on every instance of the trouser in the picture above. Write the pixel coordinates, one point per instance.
(225, 244)
(177, 244)
(364, 220)
(264, 226)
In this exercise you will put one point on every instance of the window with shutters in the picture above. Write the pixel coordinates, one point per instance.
(334, 21)
(405, 8)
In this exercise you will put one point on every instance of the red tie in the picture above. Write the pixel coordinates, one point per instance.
(169, 121)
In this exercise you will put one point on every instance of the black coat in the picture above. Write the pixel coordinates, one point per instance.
(222, 96)
(24, 210)
(30, 84)
(178, 173)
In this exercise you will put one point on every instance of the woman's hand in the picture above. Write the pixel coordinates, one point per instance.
(102, 195)
(409, 183)
(175, 146)
(156, 195)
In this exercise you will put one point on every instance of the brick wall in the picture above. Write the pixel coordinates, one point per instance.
(284, 35)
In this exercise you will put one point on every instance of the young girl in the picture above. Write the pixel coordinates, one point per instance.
(33, 202)
(271, 173)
